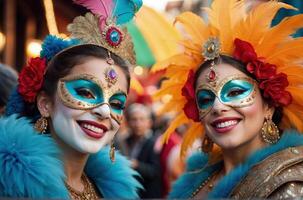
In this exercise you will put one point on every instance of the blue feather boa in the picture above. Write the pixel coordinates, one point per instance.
(198, 170)
(30, 166)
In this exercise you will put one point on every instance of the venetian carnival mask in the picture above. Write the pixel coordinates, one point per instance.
(236, 91)
(85, 91)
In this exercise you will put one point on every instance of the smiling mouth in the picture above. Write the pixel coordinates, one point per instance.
(224, 125)
(93, 129)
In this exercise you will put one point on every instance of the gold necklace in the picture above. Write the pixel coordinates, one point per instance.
(209, 182)
(88, 192)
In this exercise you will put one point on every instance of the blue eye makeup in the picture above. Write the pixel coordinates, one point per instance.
(235, 90)
(117, 103)
(85, 90)
(205, 99)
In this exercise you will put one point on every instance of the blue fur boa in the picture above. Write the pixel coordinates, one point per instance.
(198, 170)
(30, 166)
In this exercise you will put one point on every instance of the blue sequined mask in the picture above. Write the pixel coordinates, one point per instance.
(233, 91)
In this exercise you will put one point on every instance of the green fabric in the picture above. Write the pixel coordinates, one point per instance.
(144, 55)
(286, 13)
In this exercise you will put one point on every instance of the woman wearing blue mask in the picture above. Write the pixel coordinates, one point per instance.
(74, 95)
(243, 97)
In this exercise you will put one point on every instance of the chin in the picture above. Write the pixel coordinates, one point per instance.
(89, 148)
(226, 145)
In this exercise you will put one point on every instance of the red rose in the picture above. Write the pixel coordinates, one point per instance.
(244, 51)
(274, 89)
(191, 111)
(265, 71)
(188, 90)
(31, 78)
(253, 66)
(261, 70)
(190, 108)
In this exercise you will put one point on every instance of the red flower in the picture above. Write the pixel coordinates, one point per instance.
(261, 70)
(272, 84)
(31, 79)
(188, 90)
(244, 51)
(274, 89)
(190, 108)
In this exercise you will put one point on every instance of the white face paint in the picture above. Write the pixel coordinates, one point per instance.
(88, 130)
(83, 131)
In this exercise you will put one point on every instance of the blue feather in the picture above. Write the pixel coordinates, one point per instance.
(190, 181)
(125, 10)
(15, 103)
(53, 45)
(30, 166)
(197, 170)
(23, 167)
(108, 174)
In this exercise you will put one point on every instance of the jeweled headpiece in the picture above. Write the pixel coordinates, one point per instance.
(103, 26)
(270, 53)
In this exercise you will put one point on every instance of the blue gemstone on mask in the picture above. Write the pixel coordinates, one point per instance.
(115, 36)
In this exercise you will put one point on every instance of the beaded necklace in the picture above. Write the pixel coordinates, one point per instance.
(88, 193)
(209, 182)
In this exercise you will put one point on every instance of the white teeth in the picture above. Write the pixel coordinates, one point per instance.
(93, 128)
(226, 124)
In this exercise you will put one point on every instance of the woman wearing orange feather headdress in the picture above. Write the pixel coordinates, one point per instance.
(243, 96)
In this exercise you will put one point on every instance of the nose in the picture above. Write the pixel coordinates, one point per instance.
(102, 111)
(219, 107)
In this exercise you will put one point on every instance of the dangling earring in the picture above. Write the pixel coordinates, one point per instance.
(207, 144)
(112, 152)
(41, 125)
(270, 132)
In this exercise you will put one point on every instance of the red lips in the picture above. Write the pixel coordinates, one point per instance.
(224, 125)
(93, 129)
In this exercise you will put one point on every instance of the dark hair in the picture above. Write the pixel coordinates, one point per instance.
(61, 65)
(8, 80)
(278, 114)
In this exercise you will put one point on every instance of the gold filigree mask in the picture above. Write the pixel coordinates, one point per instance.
(85, 91)
(235, 91)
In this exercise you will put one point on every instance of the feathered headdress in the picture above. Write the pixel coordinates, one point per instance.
(248, 37)
(102, 26)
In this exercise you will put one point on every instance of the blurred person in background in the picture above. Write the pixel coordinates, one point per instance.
(8, 80)
(140, 148)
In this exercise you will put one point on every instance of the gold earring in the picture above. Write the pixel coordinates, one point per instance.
(270, 132)
(112, 152)
(207, 144)
(41, 125)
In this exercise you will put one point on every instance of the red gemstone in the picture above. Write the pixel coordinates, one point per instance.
(212, 75)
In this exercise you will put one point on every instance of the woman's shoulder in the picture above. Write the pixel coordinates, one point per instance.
(277, 175)
(29, 164)
(114, 179)
(197, 171)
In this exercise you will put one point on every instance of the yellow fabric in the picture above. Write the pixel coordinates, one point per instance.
(229, 19)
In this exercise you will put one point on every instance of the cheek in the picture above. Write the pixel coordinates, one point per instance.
(253, 116)
(63, 116)
(256, 110)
